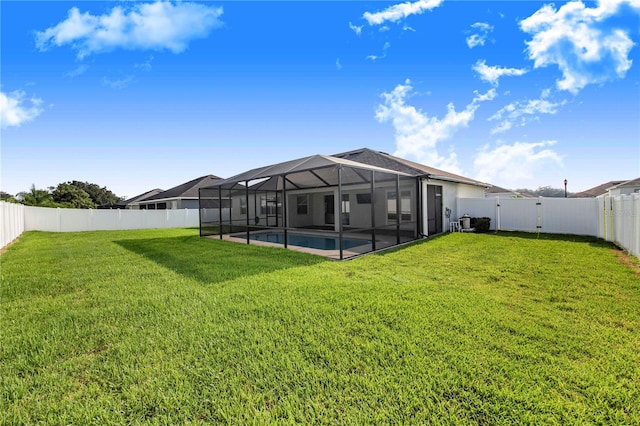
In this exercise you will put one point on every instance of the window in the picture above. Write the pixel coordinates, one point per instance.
(405, 206)
(243, 206)
(302, 204)
(143, 206)
(364, 198)
(151, 206)
(270, 205)
(346, 209)
(161, 206)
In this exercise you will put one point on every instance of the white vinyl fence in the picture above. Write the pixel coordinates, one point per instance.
(615, 219)
(74, 220)
(12, 222)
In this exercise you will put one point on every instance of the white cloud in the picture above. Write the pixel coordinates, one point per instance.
(356, 29)
(385, 47)
(513, 165)
(417, 134)
(338, 64)
(15, 109)
(480, 38)
(149, 26)
(521, 113)
(492, 74)
(489, 96)
(146, 65)
(400, 11)
(79, 70)
(119, 83)
(576, 39)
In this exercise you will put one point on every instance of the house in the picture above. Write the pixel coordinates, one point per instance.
(341, 205)
(625, 188)
(183, 196)
(601, 190)
(126, 204)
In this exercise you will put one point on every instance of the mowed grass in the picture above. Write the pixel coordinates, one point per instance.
(164, 327)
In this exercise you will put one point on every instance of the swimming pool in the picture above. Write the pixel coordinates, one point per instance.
(320, 242)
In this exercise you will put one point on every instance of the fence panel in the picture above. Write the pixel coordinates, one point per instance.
(577, 216)
(615, 219)
(12, 222)
(75, 220)
(519, 214)
(41, 219)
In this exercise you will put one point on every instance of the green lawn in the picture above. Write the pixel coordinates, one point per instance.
(163, 327)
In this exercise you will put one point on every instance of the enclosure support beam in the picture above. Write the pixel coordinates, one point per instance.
(373, 210)
(419, 219)
(200, 209)
(284, 209)
(230, 212)
(220, 211)
(398, 215)
(319, 178)
(340, 208)
(246, 194)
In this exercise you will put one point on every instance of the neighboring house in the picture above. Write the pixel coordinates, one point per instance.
(352, 196)
(625, 188)
(126, 204)
(184, 196)
(498, 192)
(599, 191)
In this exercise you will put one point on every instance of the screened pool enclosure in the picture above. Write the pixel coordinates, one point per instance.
(319, 204)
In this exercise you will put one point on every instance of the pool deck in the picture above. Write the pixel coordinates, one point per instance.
(331, 254)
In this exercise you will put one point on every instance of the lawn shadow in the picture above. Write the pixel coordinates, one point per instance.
(211, 261)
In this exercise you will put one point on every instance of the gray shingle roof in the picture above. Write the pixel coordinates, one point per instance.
(382, 159)
(598, 190)
(187, 189)
(303, 172)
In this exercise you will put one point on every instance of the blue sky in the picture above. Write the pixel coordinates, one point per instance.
(139, 95)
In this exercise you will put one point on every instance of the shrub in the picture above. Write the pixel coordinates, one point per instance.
(481, 224)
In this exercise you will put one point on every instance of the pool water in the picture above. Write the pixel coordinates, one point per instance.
(311, 241)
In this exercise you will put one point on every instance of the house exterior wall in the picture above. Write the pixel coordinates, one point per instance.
(186, 204)
(624, 191)
(451, 191)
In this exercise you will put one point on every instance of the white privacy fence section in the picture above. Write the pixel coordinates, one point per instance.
(17, 218)
(74, 220)
(615, 219)
(12, 222)
(623, 221)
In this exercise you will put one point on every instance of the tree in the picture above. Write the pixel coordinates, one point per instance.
(37, 197)
(99, 195)
(545, 191)
(71, 196)
(4, 196)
